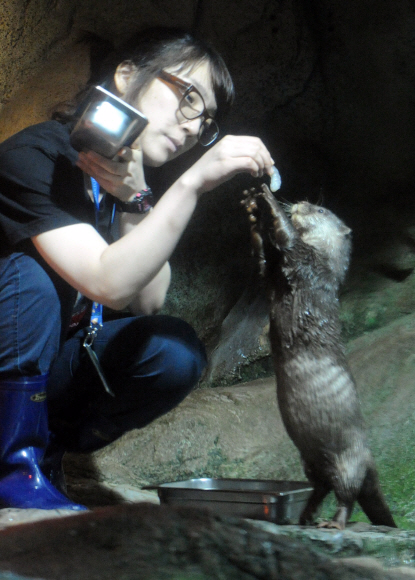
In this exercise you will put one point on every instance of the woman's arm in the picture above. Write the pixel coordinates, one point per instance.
(123, 178)
(151, 298)
(114, 274)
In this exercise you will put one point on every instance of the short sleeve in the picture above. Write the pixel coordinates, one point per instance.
(40, 186)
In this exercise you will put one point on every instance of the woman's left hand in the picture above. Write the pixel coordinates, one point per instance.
(122, 177)
(231, 155)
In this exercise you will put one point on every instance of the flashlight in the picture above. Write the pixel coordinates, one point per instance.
(106, 124)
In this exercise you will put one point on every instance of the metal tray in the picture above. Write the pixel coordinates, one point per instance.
(280, 502)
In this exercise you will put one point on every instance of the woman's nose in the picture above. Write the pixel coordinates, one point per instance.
(192, 126)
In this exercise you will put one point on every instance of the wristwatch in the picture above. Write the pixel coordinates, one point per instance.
(142, 202)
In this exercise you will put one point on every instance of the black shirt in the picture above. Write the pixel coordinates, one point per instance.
(40, 186)
(41, 189)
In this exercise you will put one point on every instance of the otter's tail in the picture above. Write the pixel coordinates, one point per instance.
(372, 500)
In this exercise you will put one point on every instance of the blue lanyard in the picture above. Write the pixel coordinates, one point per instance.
(95, 193)
(96, 315)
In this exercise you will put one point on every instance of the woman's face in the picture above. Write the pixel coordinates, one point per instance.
(168, 133)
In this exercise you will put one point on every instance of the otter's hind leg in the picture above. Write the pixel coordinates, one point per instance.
(341, 517)
(345, 490)
(331, 478)
(314, 501)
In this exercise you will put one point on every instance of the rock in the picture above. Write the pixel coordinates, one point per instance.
(11, 576)
(387, 546)
(223, 432)
(92, 493)
(15, 516)
(383, 365)
(149, 542)
(58, 81)
(242, 342)
(237, 431)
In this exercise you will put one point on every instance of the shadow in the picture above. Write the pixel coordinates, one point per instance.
(84, 487)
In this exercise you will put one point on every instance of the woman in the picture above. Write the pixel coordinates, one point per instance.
(109, 379)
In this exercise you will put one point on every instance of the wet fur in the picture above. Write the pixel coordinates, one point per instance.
(303, 260)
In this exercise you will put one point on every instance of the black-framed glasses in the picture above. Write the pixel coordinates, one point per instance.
(192, 106)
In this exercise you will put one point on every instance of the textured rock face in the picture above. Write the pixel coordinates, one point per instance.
(327, 85)
(155, 543)
(237, 431)
(60, 79)
(223, 432)
(32, 33)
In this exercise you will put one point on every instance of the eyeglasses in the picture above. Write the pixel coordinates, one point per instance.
(192, 106)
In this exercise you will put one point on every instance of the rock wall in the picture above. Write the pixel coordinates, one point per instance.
(328, 86)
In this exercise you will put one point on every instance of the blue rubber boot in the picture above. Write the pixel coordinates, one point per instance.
(23, 440)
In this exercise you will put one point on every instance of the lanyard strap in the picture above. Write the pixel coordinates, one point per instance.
(95, 194)
(96, 314)
(96, 322)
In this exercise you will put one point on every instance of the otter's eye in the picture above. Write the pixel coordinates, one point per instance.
(321, 211)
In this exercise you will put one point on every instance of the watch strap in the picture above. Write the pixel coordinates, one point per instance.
(142, 202)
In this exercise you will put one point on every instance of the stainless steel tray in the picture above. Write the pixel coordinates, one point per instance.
(280, 502)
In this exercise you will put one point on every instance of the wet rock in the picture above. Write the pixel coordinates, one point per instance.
(237, 431)
(144, 541)
(389, 547)
(222, 432)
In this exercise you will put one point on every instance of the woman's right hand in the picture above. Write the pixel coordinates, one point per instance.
(122, 177)
(230, 156)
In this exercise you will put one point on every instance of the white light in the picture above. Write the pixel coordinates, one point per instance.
(108, 117)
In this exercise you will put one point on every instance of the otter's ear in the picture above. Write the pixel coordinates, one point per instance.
(346, 231)
(123, 75)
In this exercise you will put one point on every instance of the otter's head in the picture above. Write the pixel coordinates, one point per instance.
(320, 228)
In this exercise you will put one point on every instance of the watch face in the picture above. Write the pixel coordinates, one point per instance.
(107, 124)
(142, 203)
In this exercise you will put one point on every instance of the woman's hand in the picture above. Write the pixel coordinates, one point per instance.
(230, 156)
(122, 177)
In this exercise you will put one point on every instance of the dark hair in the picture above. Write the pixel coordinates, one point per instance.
(156, 49)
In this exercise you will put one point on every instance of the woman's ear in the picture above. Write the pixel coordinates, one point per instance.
(122, 77)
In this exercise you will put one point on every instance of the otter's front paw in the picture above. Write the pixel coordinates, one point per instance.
(249, 202)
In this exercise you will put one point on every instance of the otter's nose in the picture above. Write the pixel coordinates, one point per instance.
(304, 207)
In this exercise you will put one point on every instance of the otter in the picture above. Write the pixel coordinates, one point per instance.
(303, 261)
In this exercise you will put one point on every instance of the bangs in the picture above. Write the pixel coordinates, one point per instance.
(177, 50)
(220, 79)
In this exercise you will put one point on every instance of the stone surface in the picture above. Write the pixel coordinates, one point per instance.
(31, 33)
(223, 432)
(383, 364)
(59, 80)
(328, 87)
(237, 431)
(105, 495)
(387, 546)
(144, 541)
(11, 576)
(242, 342)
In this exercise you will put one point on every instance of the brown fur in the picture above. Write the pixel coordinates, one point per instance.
(304, 260)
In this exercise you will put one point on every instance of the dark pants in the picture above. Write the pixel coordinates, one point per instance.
(150, 362)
